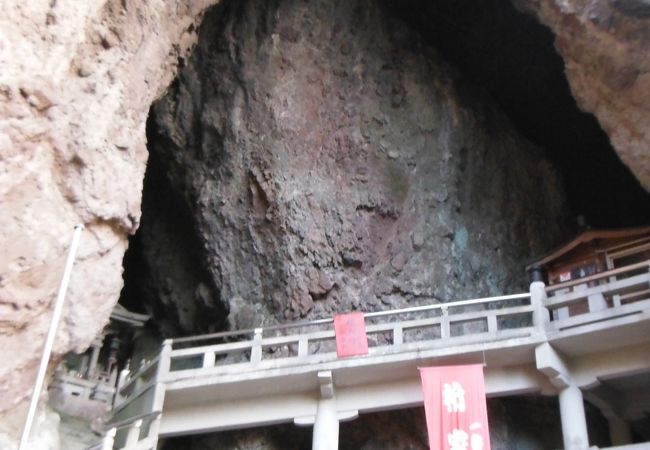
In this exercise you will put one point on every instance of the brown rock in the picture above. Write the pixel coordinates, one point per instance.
(44, 195)
(605, 47)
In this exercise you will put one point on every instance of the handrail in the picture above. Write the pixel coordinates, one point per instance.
(476, 301)
(598, 276)
(126, 422)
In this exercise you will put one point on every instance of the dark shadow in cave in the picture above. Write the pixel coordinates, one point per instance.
(511, 55)
(168, 237)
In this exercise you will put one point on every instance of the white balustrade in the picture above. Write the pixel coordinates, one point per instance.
(485, 320)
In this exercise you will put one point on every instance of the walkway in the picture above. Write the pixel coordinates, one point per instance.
(290, 373)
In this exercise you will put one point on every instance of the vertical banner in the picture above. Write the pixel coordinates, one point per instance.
(351, 338)
(455, 408)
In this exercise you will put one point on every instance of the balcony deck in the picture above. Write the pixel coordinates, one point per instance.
(278, 374)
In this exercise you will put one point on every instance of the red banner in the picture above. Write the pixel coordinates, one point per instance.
(455, 408)
(351, 338)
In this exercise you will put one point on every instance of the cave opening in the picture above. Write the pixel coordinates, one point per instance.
(201, 237)
(511, 55)
(500, 50)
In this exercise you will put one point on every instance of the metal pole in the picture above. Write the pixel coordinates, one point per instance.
(49, 343)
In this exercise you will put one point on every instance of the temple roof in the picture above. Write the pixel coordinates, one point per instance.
(121, 314)
(587, 237)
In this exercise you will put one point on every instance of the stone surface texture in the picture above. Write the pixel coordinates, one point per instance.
(316, 158)
(76, 83)
(605, 45)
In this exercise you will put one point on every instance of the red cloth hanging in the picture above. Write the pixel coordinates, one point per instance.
(455, 407)
(351, 338)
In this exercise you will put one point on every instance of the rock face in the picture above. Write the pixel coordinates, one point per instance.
(605, 45)
(317, 158)
(328, 161)
(76, 83)
(314, 158)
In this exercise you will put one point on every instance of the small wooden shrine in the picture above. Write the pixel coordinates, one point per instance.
(590, 253)
(84, 384)
(595, 251)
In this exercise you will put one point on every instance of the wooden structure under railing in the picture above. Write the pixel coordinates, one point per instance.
(281, 362)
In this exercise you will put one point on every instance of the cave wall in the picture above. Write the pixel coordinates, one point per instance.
(513, 56)
(330, 161)
(605, 45)
(76, 83)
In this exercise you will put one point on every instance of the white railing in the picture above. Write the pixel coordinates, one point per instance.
(393, 331)
(600, 297)
(133, 384)
(605, 296)
(72, 384)
(136, 433)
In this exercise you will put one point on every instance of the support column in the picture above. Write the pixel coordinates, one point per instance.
(572, 409)
(94, 358)
(326, 422)
(326, 426)
(619, 431)
(574, 422)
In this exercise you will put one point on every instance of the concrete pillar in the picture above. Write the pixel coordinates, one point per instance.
(109, 439)
(619, 431)
(94, 358)
(326, 422)
(596, 302)
(574, 422)
(326, 426)
(538, 297)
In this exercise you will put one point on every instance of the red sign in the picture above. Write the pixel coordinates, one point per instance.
(455, 408)
(351, 338)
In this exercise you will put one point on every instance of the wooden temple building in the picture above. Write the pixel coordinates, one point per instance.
(84, 385)
(574, 266)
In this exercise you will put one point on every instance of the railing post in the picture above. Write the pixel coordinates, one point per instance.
(256, 350)
(208, 359)
(164, 360)
(492, 323)
(121, 381)
(133, 435)
(154, 427)
(398, 335)
(109, 439)
(445, 329)
(303, 347)
(541, 316)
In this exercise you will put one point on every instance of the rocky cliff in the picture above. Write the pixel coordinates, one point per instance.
(331, 184)
(605, 45)
(317, 157)
(76, 83)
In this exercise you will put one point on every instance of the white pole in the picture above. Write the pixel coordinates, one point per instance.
(572, 417)
(49, 343)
